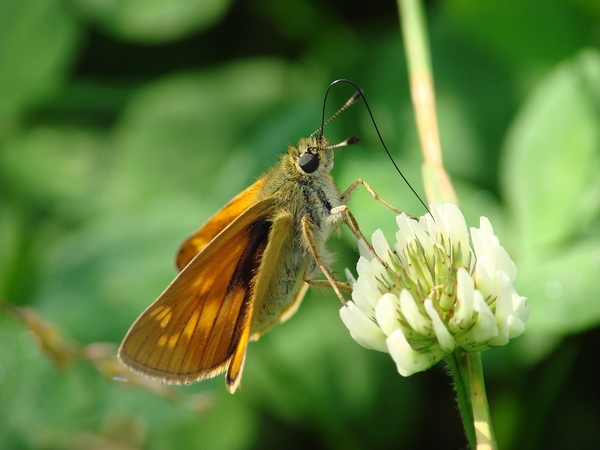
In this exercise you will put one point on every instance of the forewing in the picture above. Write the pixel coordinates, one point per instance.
(217, 223)
(193, 329)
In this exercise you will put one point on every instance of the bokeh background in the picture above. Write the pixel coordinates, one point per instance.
(125, 124)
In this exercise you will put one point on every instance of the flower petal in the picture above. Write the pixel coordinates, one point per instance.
(457, 227)
(515, 326)
(408, 361)
(521, 306)
(350, 277)
(487, 248)
(381, 246)
(444, 338)
(364, 251)
(415, 318)
(362, 329)
(411, 235)
(512, 311)
(463, 314)
(365, 292)
(485, 328)
(386, 313)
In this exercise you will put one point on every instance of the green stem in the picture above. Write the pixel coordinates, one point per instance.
(414, 32)
(482, 419)
(458, 369)
(467, 372)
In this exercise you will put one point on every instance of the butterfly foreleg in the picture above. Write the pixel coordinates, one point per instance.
(326, 283)
(371, 191)
(352, 224)
(307, 229)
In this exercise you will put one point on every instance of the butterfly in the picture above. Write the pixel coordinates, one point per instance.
(246, 270)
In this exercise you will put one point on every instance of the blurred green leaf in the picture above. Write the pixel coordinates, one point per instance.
(307, 370)
(228, 424)
(459, 138)
(524, 31)
(55, 167)
(563, 289)
(38, 39)
(44, 408)
(178, 133)
(153, 20)
(113, 267)
(11, 235)
(551, 159)
(590, 5)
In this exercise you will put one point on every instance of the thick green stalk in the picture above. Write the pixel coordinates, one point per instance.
(457, 366)
(467, 372)
(482, 419)
(414, 32)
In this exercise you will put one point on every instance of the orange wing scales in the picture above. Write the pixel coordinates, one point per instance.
(236, 366)
(217, 223)
(189, 332)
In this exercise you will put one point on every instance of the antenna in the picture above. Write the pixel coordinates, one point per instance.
(350, 141)
(346, 105)
(356, 96)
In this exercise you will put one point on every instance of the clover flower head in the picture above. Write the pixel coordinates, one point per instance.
(437, 291)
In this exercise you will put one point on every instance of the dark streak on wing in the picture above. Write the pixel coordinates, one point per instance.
(249, 261)
(248, 264)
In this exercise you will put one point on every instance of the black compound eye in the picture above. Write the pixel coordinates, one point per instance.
(309, 162)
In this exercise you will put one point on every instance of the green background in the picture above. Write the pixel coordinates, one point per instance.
(125, 124)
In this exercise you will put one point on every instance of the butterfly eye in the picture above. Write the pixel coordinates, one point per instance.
(309, 162)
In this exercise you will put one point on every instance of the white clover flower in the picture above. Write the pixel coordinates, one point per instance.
(436, 293)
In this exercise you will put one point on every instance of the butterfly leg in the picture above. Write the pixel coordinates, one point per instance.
(326, 283)
(352, 224)
(307, 227)
(371, 191)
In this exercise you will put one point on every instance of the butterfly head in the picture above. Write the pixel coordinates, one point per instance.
(314, 155)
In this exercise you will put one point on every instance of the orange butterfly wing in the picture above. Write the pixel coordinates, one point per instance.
(203, 319)
(213, 226)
